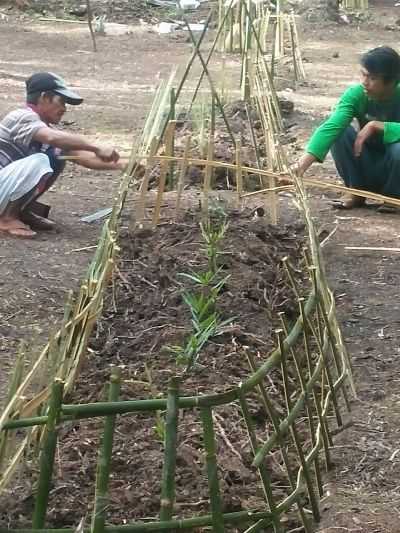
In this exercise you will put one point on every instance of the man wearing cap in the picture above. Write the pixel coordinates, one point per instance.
(29, 153)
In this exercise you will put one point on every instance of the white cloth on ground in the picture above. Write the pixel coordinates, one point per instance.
(22, 176)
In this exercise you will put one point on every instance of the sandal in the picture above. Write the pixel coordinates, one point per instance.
(349, 201)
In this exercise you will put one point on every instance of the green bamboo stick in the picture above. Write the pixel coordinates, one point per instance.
(324, 427)
(170, 448)
(295, 435)
(328, 374)
(310, 416)
(81, 411)
(105, 457)
(239, 517)
(212, 470)
(270, 410)
(264, 475)
(47, 455)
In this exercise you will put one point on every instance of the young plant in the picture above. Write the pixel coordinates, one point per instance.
(202, 299)
(213, 232)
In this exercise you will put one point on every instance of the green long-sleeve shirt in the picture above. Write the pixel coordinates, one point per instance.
(356, 104)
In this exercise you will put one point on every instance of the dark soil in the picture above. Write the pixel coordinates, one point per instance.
(144, 314)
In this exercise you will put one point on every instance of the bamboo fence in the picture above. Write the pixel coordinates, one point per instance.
(317, 392)
(314, 368)
(356, 5)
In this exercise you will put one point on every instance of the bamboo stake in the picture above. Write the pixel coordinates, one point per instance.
(310, 417)
(140, 210)
(163, 178)
(293, 429)
(210, 53)
(212, 469)
(196, 45)
(270, 410)
(211, 83)
(207, 178)
(105, 456)
(327, 440)
(90, 24)
(264, 475)
(170, 447)
(47, 455)
(169, 141)
(182, 175)
(239, 174)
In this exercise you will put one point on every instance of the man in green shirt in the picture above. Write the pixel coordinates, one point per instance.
(367, 156)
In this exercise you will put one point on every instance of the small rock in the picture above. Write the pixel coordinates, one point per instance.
(78, 11)
(335, 54)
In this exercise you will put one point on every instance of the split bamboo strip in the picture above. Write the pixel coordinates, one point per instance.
(210, 53)
(270, 410)
(182, 176)
(212, 470)
(210, 81)
(293, 429)
(299, 60)
(162, 178)
(239, 173)
(47, 455)
(207, 178)
(140, 209)
(309, 411)
(327, 441)
(105, 456)
(170, 449)
(265, 477)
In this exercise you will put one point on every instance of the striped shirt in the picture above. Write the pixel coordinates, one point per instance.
(16, 135)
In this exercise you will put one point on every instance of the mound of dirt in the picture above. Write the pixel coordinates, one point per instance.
(145, 313)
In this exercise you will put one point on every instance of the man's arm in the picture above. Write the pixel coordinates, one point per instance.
(322, 139)
(72, 141)
(87, 159)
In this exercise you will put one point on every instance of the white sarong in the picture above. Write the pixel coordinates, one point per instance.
(22, 176)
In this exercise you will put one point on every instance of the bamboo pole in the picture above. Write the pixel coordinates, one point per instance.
(207, 178)
(210, 53)
(239, 173)
(327, 441)
(294, 432)
(211, 83)
(105, 456)
(212, 470)
(271, 412)
(170, 448)
(264, 475)
(47, 455)
(162, 179)
(196, 47)
(169, 141)
(140, 210)
(182, 176)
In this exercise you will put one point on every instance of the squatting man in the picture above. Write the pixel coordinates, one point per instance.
(367, 156)
(30, 150)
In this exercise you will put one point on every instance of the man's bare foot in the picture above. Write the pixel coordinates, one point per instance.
(349, 201)
(15, 228)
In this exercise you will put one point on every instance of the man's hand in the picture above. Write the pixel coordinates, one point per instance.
(371, 128)
(107, 154)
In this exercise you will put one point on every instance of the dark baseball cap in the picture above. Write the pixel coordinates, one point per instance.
(47, 81)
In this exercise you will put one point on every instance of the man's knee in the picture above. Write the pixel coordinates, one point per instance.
(344, 142)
